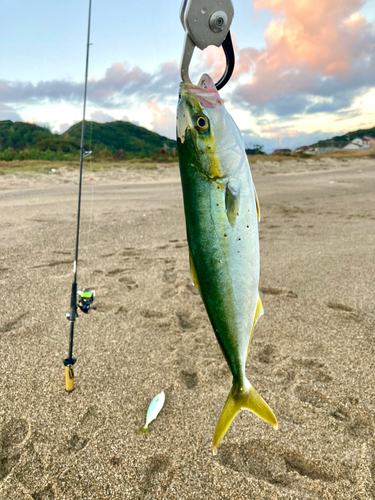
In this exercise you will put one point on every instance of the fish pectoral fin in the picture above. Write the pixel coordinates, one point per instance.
(193, 273)
(143, 429)
(244, 399)
(232, 201)
(257, 203)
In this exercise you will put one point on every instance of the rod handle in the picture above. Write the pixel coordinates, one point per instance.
(69, 378)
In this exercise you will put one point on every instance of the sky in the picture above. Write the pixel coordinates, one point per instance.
(305, 70)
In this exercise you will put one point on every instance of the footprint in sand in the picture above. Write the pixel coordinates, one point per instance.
(129, 282)
(46, 494)
(7, 327)
(12, 435)
(360, 425)
(192, 288)
(114, 272)
(169, 293)
(313, 370)
(105, 256)
(122, 310)
(273, 464)
(306, 394)
(148, 313)
(189, 378)
(268, 290)
(267, 354)
(53, 263)
(156, 477)
(351, 313)
(85, 430)
(185, 321)
(169, 275)
(339, 307)
(131, 252)
(255, 459)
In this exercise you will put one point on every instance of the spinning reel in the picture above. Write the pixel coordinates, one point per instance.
(86, 298)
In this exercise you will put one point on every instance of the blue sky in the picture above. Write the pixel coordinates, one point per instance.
(292, 85)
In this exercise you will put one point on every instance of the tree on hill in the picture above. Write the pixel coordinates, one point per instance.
(119, 135)
(116, 140)
(340, 141)
(19, 135)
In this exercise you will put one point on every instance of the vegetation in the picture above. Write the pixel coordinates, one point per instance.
(257, 149)
(115, 140)
(340, 141)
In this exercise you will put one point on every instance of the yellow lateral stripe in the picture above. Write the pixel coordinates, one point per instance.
(257, 203)
(258, 313)
(193, 273)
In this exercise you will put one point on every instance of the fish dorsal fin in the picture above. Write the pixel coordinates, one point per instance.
(193, 273)
(232, 201)
(257, 203)
(258, 313)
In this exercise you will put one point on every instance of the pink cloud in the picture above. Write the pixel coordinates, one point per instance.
(271, 132)
(212, 60)
(315, 39)
(164, 120)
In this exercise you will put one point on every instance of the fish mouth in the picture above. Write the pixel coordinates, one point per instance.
(205, 92)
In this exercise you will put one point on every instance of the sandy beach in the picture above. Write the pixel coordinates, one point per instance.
(311, 358)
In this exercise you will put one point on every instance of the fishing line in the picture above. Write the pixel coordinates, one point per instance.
(92, 195)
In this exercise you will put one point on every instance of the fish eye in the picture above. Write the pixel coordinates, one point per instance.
(202, 123)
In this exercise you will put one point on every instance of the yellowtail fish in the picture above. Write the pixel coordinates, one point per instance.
(153, 411)
(222, 213)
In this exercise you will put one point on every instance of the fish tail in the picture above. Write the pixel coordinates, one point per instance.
(144, 429)
(241, 399)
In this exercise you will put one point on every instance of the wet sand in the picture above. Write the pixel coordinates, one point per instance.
(312, 354)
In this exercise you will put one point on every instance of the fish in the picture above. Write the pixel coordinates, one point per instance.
(153, 411)
(222, 215)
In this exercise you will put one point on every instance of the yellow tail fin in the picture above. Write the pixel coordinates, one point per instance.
(241, 399)
(143, 429)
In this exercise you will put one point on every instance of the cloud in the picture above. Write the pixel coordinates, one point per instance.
(277, 137)
(100, 117)
(35, 121)
(63, 127)
(319, 48)
(164, 120)
(8, 113)
(122, 85)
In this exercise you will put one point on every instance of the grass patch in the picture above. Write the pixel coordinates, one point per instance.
(40, 166)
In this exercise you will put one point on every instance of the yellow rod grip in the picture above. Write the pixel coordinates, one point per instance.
(69, 378)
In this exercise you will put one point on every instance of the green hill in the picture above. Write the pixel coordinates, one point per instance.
(19, 135)
(340, 141)
(118, 136)
(118, 140)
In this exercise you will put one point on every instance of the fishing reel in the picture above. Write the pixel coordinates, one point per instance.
(86, 298)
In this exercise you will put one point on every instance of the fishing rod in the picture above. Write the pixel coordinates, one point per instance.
(86, 297)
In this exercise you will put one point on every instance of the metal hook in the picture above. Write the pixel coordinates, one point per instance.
(206, 25)
(229, 56)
